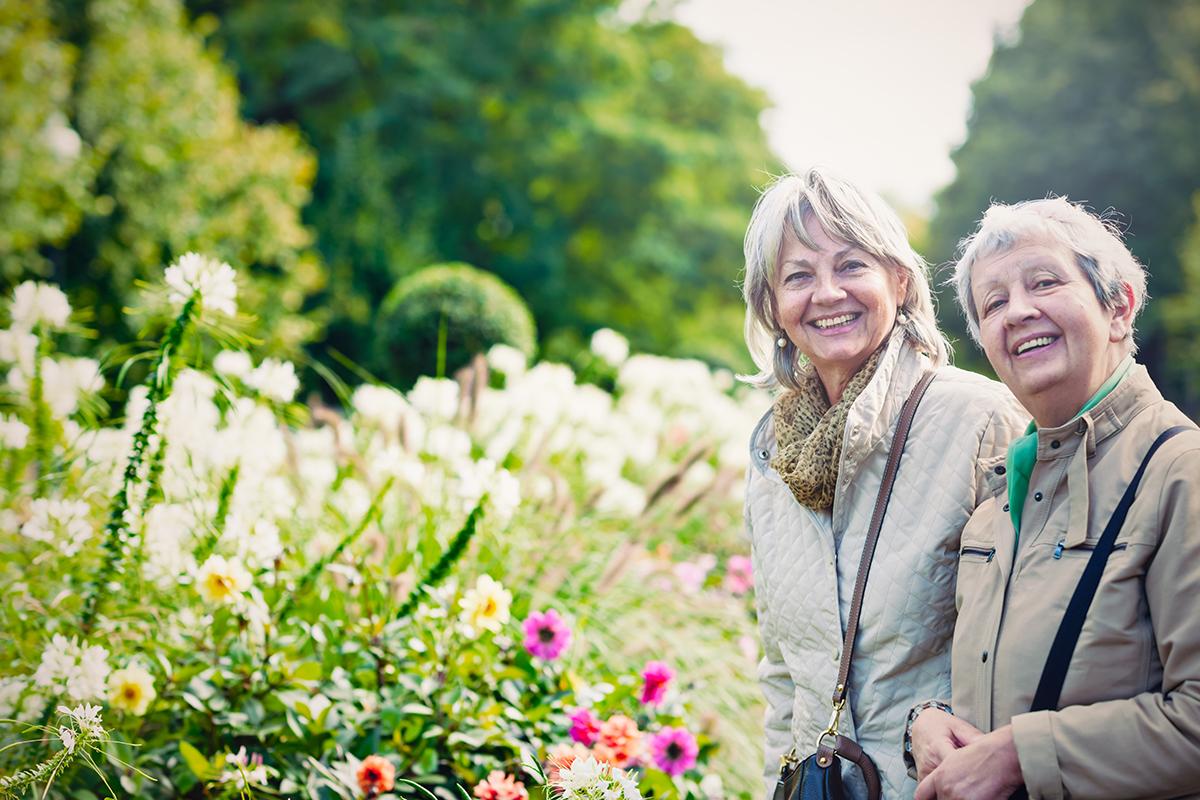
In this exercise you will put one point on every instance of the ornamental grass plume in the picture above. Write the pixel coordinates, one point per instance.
(500, 786)
(376, 775)
(674, 750)
(546, 634)
(619, 742)
(656, 677)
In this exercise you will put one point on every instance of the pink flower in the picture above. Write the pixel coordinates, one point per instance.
(376, 775)
(674, 750)
(655, 679)
(500, 786)
(691, 574)
(546, 634)
(739, 575)
(619, 742)
(561, 757)
(584, 726)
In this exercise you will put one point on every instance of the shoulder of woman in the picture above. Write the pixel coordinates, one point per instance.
(973, 393)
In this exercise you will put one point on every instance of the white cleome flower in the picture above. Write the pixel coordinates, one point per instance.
(68, 739)
(506, 359)
(42, 304)
(610, 346)
(18, 347)
(63, 522)
(64, 381)
(275, 380)
(233, 363)
(74, 670)
(435, 398)
(60, 138)
(381, 406)
(14, 434)
(215, 281)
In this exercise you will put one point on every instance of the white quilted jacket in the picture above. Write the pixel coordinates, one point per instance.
(806, 562)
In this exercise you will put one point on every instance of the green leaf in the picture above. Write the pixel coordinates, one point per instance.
(308, 671)
(196, 761)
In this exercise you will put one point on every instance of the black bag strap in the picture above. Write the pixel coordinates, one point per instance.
(1054, 674)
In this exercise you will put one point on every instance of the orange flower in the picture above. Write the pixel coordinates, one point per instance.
(562, 756)
(500, 786)
(376, 775)
(619, 741)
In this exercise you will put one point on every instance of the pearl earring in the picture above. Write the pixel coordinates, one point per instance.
(781, 342)
(901, 317)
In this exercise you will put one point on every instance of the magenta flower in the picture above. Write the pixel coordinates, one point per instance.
(739, 575)
(655, 679)
(585, 726)
(674, 750)
(546, 634)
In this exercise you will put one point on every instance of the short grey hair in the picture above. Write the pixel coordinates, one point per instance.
(1095, 242)
(846, 212)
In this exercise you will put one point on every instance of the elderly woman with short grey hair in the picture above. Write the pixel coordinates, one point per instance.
(1076, 658)
(840, 321)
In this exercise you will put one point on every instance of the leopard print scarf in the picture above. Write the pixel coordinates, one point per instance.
(809, 431)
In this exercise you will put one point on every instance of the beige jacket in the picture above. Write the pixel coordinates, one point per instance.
(805, 562)
(1129, 718)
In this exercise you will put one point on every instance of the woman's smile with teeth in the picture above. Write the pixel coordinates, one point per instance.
(830, 322)
(1032, 344)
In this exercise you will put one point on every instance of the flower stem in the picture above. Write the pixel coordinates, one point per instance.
(117, 534)
(316, 569)
(452, 554)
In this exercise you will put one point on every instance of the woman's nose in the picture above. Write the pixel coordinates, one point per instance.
(1020, 307)
(827, 289)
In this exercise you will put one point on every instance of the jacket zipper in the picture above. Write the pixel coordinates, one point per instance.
(979, 551)
(1058, 548)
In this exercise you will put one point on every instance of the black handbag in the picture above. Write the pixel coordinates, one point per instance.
(819, 776)
(1054, 673)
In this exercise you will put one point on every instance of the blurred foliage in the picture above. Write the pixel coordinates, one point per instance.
(603, 168)
(441, 317)
(1099, 101)
(123, 148)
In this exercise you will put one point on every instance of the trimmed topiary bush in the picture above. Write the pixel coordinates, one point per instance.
(471, 309)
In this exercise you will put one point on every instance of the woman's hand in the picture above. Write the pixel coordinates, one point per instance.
(986, 768)
(936, 734)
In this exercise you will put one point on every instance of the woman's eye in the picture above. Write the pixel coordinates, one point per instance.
(992, 305)
(1043, 283)
(796, 276)
(853, 266)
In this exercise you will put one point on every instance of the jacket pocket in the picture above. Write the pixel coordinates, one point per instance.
(974, 553)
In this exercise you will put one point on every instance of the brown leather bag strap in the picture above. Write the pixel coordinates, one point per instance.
(881, 503)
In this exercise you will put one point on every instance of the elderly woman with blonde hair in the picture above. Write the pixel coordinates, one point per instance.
(840, 320)
(1076, 659)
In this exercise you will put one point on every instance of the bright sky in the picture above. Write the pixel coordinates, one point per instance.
(878, 90)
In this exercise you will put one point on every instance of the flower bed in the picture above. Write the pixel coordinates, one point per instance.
(468, 587)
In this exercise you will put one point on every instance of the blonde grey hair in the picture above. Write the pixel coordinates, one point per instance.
(1096, 244)
(847, 213)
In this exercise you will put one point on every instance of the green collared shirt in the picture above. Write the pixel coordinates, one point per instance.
(1022, 454)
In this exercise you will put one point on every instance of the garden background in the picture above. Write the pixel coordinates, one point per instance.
(451, 481)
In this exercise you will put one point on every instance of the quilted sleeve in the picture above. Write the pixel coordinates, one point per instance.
(1006, 422)
(773, 676)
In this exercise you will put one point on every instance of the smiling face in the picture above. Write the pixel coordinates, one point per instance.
(1044, 330)
(836, 303)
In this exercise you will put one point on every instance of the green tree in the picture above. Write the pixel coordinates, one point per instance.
(1099, 101)
(604, 169)
(128, 151)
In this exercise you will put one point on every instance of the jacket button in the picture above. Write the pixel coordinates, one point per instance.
(762, 455)
(1005, 507)
(984, 656)
(1055, 444)
(1000, 470)
(837, 656)
(1037, 496)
